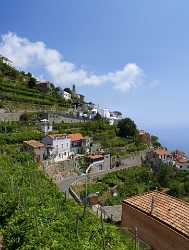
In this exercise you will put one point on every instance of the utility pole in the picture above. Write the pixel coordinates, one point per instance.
(86, 180)
(136, 235)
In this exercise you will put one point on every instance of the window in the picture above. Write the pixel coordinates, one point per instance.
(65, 153)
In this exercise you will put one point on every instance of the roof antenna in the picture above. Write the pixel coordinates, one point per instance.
(152, 205)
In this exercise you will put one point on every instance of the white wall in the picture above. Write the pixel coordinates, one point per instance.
(67, 96)
(60, 148)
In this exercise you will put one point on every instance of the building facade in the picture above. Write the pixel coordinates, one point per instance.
(58, 147)
(76, 143)
(99, 162)
(158, 219)
(37, 148)
(67, 96)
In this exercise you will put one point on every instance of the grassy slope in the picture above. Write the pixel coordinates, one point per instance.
(34, 214)
(16, 93)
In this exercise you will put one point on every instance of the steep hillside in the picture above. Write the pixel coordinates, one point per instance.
(34, 214)
(20, 90)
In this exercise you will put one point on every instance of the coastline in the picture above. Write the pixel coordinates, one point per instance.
(172, 138)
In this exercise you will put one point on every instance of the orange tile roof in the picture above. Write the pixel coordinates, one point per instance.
(95, 157)
(161, 151)
(75, 137)
(34, 144)
(169, 210)
(54, 136)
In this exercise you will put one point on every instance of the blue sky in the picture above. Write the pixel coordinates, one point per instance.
(102, 37)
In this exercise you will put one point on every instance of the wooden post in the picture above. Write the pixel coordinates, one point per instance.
(77, 225)
(103, 234)
(136, 235)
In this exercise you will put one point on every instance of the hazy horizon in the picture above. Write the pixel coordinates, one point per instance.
(130, 56)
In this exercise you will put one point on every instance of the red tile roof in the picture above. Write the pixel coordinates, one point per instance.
(169, 210)
(161, 152)
(95, 157)
(75, 137)
(181, 160)
(34, 144)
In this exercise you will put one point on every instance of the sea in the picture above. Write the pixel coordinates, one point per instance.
(173, 138)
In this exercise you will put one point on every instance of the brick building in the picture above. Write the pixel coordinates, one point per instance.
(158, 219)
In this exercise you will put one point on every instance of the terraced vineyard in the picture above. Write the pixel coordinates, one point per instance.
(35, 215)
(21, 89)
(16, 92)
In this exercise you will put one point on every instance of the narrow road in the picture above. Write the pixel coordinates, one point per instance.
(68, 181)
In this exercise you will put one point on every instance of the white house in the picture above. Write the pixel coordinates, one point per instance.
(112, 120)
(46, 126)
(163, 154)
(58, 146)
(182, 165)
(67, 96)
(105, 113)
(93, 114)
(6, 60)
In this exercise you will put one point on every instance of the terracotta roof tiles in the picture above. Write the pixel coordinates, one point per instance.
(161, 152)
(75, 137)
(34, 144)
(167, 209)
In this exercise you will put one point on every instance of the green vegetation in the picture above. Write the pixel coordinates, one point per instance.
(155, 141)
(15, 133)
(127, 128)
(105, 134)
(126, 182)
(138, 180)
(34, 214)
(21, 88)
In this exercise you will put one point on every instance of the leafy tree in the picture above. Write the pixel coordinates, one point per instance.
(155, 141)
(25, 117)
(68, 90)
(165, 174)
(176, 188)
(31, 82)
(127, 128)
(98, 117)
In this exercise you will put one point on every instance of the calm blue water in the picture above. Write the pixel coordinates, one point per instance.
(173, 138)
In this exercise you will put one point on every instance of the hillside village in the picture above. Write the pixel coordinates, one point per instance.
(73, 164)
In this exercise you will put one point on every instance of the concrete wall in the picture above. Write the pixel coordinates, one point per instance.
(10, 116)
(158, 235)
(133, 159)
(52, 117)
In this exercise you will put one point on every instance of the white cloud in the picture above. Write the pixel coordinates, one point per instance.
(51, 62)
